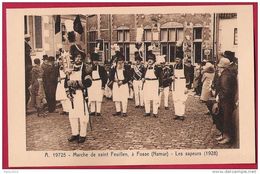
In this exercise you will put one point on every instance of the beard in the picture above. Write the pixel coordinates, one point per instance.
(78, 62)
(120, 65)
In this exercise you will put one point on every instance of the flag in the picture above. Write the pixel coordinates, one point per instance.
(77, 26)
(57, 24)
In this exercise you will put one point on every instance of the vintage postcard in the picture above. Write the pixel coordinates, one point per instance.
(129, 85)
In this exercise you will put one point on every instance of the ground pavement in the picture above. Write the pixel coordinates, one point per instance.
(133, 132)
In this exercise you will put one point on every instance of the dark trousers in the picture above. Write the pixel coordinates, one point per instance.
(227, 108)
(27, 92)
(216, 117)
(50, 92)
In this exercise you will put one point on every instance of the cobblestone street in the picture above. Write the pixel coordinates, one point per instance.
(127, 133)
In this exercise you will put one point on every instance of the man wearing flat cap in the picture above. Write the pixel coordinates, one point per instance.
(28, 66)
(99, 80)
(137, 76)
(226, 99)
(76, 85)
(152, 85)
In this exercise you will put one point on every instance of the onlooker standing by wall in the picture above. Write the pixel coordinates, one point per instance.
(50, 80)
(197, 84)
(207, 78)
(226, 98)
(28, 67)
(37, 91)
(189, 73)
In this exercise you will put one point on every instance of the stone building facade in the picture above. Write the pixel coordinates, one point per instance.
(166, 31)
(200, 36)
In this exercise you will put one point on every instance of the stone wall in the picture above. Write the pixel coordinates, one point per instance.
(109, 24)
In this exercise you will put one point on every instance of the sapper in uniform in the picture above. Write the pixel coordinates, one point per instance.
(99, 80)
(167, 71)
(120, 76)
(77, 83)
(179, 90)
(152, 83)
(137, 75)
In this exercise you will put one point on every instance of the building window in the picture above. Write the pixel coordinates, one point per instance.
(123, 35)
(123, 38)
(146, 45)
(197, 44)
(169, 38)
(164, 36)
(120, 36)
(197, 33)
(172, 35)
(147, 41)
(92, 36)
(235, 37)
(180, 34)
(38, 31)
(197, 52)
(127, 36)
(125, 50)
(64, 32)
(147, 35)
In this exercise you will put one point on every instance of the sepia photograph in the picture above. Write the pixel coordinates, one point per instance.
(126, 83)
(145, 81)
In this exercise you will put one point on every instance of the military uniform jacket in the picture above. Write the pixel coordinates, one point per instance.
(167, 75)
(227, 84)
(50, 74)
(85, 77)
(126, 72)
(28, 60)
(115, 57)
(137, 72)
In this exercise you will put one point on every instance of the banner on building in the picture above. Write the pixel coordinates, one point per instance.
(77, 26)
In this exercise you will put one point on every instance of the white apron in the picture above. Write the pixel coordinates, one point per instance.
(178, 93)
(120, 93)
(151, 87)
(78, 99)
(95, 91)
(60, 92)
(179, 87)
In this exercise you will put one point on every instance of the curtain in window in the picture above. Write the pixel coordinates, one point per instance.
(164, 35)
(120, 36)
(180, 35)
(172, 35)
(127, 36)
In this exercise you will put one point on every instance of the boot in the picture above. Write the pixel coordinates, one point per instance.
(81, 139)
(73, 138)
